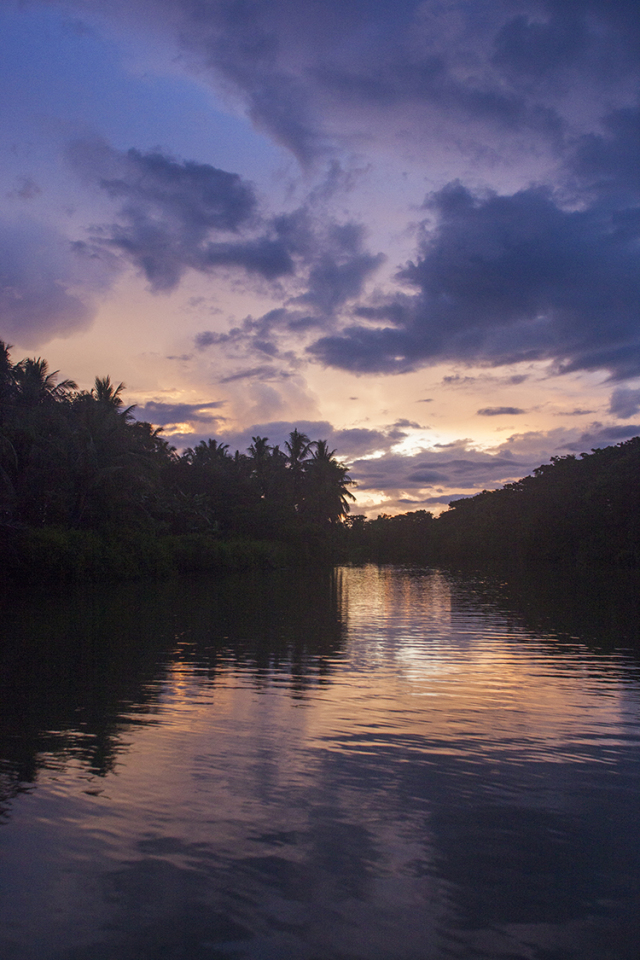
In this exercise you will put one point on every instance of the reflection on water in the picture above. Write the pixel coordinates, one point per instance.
(375, 764)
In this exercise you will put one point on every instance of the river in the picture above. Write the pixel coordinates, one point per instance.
(365, 764)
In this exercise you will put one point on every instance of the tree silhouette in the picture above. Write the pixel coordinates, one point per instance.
(327, 481)
(298, 446)
(35, 386)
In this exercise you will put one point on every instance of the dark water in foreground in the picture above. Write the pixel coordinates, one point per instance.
(380, 764)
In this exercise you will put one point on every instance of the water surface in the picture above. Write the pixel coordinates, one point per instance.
(374, 764)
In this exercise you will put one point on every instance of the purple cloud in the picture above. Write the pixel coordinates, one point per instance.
(502, 279)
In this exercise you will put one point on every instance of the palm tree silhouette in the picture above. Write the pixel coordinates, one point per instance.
(35, 386)
(328, 481)
(298, 446)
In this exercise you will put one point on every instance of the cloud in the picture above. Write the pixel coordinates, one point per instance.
(173, 215)
(576, 412)
(167, 414)
(603, 435)
(267, 256)
(429, 478)
(538, 446)
(251, 337)
(339, 269)
(475, 469)
(528, 50)
(444, 472)
(503, 279)
(208, 338)
(499, 411)
(537, 274)
(179, 215)
(197, 196)
(264, 372)
(332, 268)
(625, 402)
(47, 283)
(608, 162)
(542, 91)
(310, 74)
(27, 189)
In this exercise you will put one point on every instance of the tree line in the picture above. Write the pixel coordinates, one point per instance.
(79, 460)
(574, 511)
(85, 484)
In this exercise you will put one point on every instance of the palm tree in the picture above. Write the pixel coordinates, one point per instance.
(298, 446)
(35, 430)
(8, 459)
(259, 449)
(116, 459)
(327, 481)
(207, 453)
(35, 386)
(260, 456)
(7, 381)
(109, 396)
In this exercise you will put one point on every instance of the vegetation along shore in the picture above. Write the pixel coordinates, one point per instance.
(87, 491)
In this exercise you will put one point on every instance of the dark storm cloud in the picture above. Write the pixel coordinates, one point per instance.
(502, 279)
(47, 283)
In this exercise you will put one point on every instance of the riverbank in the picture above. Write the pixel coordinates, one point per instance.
(56, 555)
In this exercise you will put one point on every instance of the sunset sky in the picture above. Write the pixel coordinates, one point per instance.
(409, 228)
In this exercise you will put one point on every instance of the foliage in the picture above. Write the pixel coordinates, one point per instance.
(87, 492)
(78, 474)
(574, 511)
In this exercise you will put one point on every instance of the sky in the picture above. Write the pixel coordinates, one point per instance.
(409, 228)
